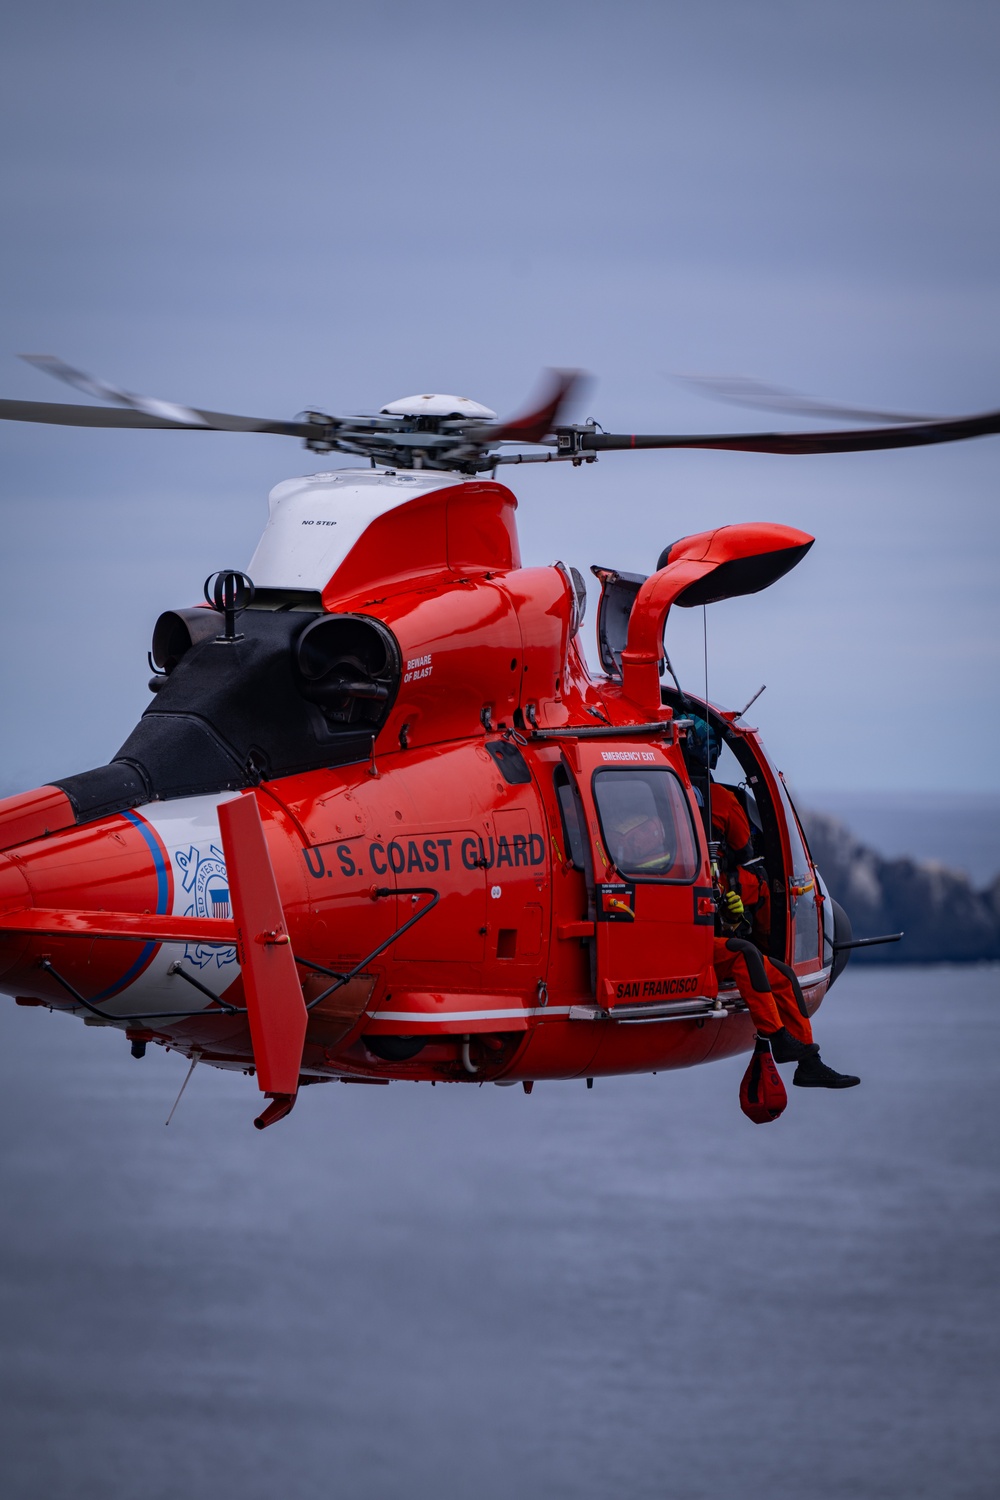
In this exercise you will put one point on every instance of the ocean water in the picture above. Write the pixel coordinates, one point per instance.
(468, 1292)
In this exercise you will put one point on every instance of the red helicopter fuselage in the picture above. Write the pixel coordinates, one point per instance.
(488, 864)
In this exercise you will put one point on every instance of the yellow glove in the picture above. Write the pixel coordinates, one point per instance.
(732, 907)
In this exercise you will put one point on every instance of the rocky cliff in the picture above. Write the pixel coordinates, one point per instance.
(943, 917)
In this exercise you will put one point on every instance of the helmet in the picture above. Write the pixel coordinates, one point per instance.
(702, 746)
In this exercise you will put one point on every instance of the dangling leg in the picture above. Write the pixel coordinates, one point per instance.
(794, 1042)
(741, 964)
(789, 999)
(775, 1003)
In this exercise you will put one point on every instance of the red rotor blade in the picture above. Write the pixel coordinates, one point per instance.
(741, 390)
(947, 430)
(536, 424)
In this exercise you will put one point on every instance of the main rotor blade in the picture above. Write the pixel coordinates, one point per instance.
(949, 430)
(561, 387)
(156, 412)
(92, 386)
(739, 390)
(109, 416)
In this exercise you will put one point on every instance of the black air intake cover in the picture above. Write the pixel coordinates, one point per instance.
(231, 714)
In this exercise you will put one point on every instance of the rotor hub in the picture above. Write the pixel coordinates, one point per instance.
(458, 408)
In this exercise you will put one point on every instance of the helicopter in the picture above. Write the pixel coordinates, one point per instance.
(375, 823)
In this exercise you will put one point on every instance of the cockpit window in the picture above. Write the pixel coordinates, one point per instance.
(646, 824)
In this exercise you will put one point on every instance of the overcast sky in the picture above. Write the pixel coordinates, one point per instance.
(260, 208)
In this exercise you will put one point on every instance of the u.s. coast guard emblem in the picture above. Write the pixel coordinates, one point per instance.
(204, 878)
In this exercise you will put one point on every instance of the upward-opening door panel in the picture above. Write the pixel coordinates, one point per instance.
(652, 890)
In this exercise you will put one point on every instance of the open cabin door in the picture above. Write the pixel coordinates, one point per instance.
(655, 926)
(788, 916)
(652, 892)
(803, 896)
(696, 571)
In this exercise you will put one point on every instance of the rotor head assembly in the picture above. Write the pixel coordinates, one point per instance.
(457, 435)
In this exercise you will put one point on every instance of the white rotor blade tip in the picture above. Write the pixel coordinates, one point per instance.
(167, 410)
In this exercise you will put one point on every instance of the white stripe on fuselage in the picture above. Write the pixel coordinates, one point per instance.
(188, 829)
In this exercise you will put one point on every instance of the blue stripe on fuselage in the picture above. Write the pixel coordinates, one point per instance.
(162, 894)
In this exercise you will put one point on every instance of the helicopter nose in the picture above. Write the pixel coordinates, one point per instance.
(15, 895)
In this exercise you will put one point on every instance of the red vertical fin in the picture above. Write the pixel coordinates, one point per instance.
(275, 1007)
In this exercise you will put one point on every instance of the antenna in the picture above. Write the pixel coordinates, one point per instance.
(229, 592)
(753, 700)
(195, 1056)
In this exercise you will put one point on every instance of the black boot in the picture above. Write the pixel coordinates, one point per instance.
(787, 1048)
(813, 1073)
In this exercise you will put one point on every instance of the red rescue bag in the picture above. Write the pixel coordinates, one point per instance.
(762, 1093)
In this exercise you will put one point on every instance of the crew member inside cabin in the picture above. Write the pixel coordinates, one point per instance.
(768, 987)
(637, 839)
(646, 823)
(730, 829)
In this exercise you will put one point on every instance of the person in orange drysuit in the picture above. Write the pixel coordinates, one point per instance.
(731, 828)
(769, 989)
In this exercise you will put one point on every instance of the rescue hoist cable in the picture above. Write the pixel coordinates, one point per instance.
(708, 735)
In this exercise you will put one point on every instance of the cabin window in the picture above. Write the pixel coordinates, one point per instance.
(574, 838)
(646, 824)
(801, 887)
